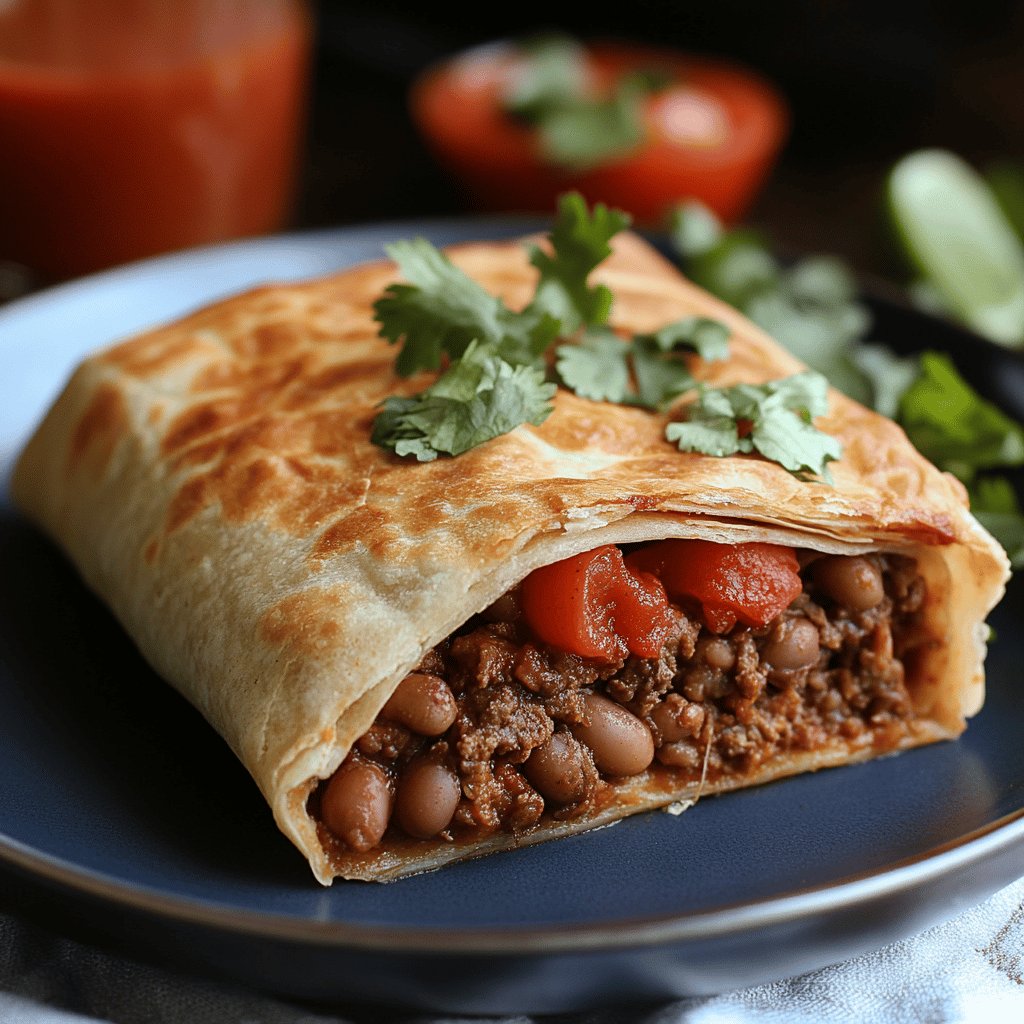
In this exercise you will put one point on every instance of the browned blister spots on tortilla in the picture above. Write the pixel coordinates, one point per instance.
(159, 353)
(366, 526)
(306, 623)
(269, 341)
(100, 427)
(343, 382)
(198, 422)
(189, 501)
(255, 377)
(277, 399)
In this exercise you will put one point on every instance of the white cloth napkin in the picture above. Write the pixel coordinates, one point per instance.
(968, 969)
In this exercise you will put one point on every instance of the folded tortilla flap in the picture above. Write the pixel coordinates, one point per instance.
(214, 481)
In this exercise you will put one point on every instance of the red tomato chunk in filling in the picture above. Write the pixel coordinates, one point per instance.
(596, 606)
(748, 583)
(687, 659)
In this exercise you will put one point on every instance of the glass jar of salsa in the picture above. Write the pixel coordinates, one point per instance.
(135, 127)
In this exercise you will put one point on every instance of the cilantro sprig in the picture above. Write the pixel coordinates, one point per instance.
(773, 419)
(479, 397)
(493, 356)
(812, 308)
(650, 370)
(495, 361)
(442, 310)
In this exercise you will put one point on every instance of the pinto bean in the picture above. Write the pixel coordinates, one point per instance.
(676, 718)
(428, 793)
(717, 653)
(620, 742)
(852, 582)
(422, 703)
(557, 769)
(683, 754)
(796, 644)
(356, 804)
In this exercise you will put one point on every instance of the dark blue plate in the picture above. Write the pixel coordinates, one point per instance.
(124, 820)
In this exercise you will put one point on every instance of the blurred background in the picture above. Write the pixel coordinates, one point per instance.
(314, 111)
(866, 81)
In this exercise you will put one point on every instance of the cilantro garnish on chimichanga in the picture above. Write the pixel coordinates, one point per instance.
(500, 368)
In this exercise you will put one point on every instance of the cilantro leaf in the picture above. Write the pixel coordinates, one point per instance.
(580, 240)
(649, 371)
(708, 338)
(442, 310)
(597, 367)
(773, 419)
(887, 374)
(953, 426)
(661, 376)
(712, 426)
(994, 503)
(659, 366)
(577, 128)
(479, 397)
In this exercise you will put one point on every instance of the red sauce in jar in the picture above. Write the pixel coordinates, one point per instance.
(133, 127)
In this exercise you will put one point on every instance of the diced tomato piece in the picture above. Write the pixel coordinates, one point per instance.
(749, 583)
(595, 606)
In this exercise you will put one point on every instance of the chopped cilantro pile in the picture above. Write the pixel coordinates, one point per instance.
(496, 365)
(812, 308)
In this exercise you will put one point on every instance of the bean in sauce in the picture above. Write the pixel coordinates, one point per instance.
(852, 582)
(717, 653)
(620, 742)
(422, 703)
(676, 718)
(356, 804)
(428, 793)
(683, 754)
(557, 769)
(795, 644)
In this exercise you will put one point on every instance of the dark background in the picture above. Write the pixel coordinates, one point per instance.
(866, 82)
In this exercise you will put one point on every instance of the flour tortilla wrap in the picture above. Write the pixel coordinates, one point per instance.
(214, 482)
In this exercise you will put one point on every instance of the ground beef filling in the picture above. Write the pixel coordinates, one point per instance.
(495, 730)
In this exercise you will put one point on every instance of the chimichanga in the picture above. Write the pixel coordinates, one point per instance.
(421, 662)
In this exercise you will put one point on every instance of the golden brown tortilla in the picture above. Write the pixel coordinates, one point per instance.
(215, 483)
